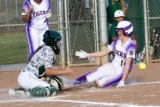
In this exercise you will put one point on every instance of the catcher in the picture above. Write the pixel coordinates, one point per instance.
(38, 78)
(117, 71)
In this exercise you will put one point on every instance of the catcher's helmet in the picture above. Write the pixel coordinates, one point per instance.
(118, 13)
(51, 38)
(126, 26)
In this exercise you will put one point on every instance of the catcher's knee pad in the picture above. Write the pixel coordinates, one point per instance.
(56, 82)
(42, 91)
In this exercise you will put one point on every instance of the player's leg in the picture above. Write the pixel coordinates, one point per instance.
(67, 83)
(41, 91)
(34, 85)
(111, 77)
(32, 39)
(95, 75)
(104, 76)
(82, 79)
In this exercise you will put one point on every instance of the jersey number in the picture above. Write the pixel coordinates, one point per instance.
(122, 63)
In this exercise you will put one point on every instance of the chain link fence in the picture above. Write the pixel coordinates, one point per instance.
(154, 25)
(82, 29)
(13, 44)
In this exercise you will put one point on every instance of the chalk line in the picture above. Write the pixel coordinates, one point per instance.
(52, 99)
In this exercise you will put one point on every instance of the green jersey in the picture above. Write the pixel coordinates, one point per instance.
(112, 7)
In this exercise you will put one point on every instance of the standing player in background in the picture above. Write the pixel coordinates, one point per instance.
(36, 82)
(114, 5)
(118, 16)
(35, 14)
(118, 70)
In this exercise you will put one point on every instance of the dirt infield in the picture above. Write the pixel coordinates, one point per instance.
(143, 89)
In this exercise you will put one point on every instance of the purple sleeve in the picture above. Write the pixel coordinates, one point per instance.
(26, 5)
(113, 45)
(49, 6)
(130, 51)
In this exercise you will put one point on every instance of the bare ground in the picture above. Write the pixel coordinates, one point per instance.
(143, 89)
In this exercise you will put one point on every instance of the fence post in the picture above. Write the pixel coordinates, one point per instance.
(103, 28)
(67, 31)
(61, 27)
(146, 29)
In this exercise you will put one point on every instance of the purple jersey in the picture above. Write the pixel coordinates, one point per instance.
(38, 18)
(122, 52)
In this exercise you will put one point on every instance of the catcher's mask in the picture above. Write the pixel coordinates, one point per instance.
(51, 38)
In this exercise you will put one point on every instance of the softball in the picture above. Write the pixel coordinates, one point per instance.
(142, 66)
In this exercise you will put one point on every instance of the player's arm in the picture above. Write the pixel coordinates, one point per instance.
(124, 8)
(127, 68)
(57, 72)
(100, 53)
(125, 72)
(128, 64)
(26, 14)
(83, 54)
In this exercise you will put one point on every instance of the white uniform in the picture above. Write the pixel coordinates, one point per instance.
(112, 73)
(29, 76)
(38, 23)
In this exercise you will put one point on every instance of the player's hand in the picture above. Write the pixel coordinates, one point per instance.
(31, 7)
(121, 84)
(49, 15)
(82, 54)
(69, 71)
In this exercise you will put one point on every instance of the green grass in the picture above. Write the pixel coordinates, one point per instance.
(13, 48)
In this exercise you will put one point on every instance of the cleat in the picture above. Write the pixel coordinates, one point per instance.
(11, 92)
(19, 92)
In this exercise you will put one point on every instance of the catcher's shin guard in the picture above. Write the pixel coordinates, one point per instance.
(43, 91)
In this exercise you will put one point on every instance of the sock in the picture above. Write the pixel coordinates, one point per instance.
(82, 79)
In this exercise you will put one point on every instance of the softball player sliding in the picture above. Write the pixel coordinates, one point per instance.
(39, 66)
(116, 71)
(35, 14)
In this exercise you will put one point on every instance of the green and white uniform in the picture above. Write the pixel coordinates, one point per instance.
(112, 7)
(29, 76)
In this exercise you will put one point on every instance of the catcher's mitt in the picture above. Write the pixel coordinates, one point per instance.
(55, 82)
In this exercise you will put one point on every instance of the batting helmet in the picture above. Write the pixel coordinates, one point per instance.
(118, 13)
(51, 38)
(126, 26)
